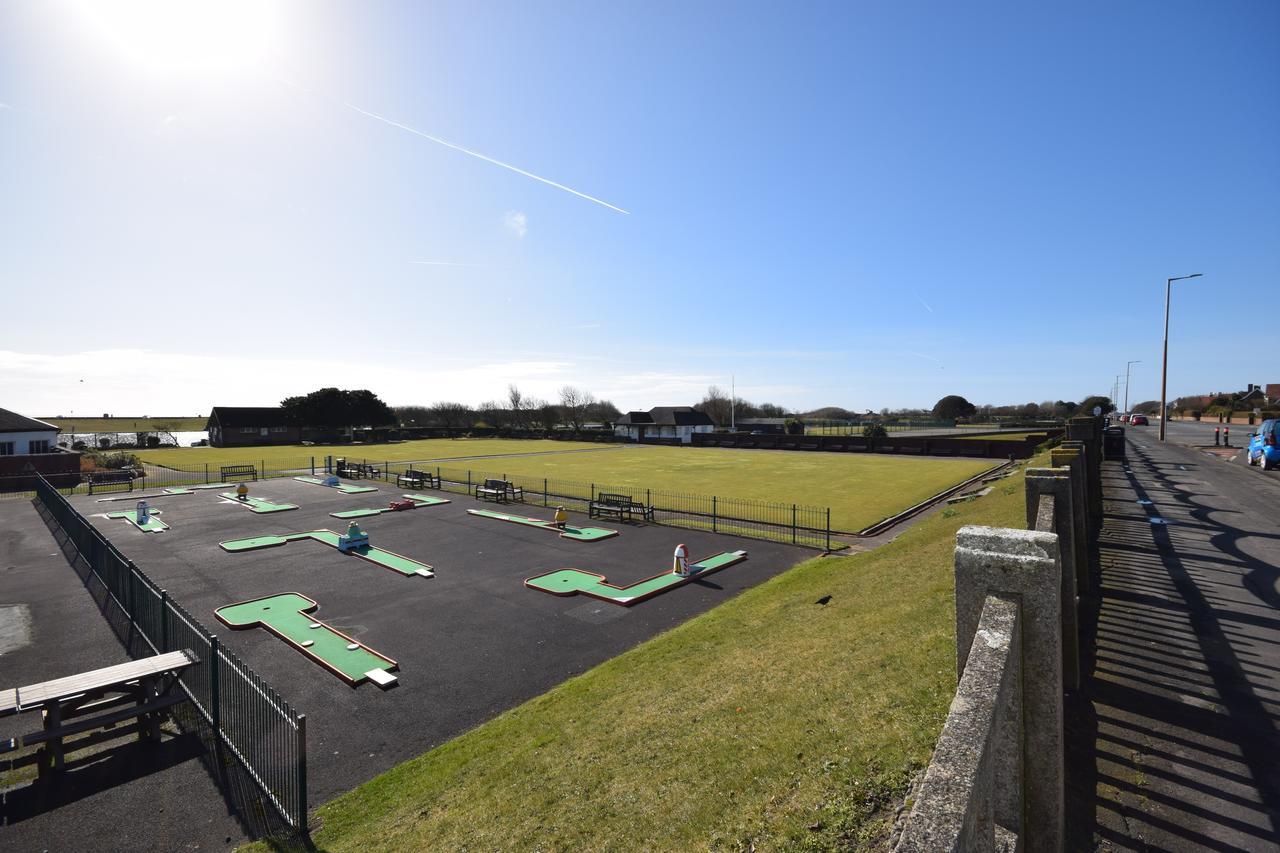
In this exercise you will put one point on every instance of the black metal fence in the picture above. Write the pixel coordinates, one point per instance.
(246, 715)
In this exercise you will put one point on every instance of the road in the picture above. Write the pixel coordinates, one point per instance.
(1193, 433)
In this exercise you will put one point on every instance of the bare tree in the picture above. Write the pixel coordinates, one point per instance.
(716, 405)
(547, 414)
(519, 407)
(574, 403)
(494, 414)
(452, 415)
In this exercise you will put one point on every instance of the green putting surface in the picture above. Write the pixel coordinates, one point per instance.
(418, 500)
(386, 559)
(285, 615)
(258, 504)
(581, 534)
(345, 488)
(576, 581)
(153, 525)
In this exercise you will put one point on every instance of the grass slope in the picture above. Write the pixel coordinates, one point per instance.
(129, 424)
(770, 722)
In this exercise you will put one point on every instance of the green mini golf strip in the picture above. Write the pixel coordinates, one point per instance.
(581, 534)
(575, 581)
(285, 615)
(387, 559)
(153, 525)
(165, 493)
(418, 500)
(345, 488)
(258, 504)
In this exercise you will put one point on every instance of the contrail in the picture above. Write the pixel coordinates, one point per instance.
(925, 357)
(925, 304)
(444, 264)
(446, 143)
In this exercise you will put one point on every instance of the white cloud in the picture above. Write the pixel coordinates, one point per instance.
(517, 222)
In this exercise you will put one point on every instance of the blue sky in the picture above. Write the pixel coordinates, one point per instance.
(858, 204)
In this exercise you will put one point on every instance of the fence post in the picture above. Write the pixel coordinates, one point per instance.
(793, 524)
(164, 620)
(313, 466)
(206, 472)
(544, 491)
(263, 469)
(302, 773)
(713, 514)
(593, 491)
(386, 472)
(828, 529)
(215, 712)
(468, 481)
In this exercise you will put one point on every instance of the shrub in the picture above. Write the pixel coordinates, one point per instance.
(875, 431)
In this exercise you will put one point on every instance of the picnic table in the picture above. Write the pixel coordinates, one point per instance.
(101, 698)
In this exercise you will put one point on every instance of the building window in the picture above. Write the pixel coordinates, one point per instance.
(41, 446)
(6, 448)
(279, 429)
(248, 430)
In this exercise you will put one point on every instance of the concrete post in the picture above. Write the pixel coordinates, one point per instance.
(1091, 481)
(1051, 487)
(1025, 564)
(1070, 460)
(1088, 430)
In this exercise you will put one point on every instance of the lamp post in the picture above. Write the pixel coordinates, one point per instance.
(1164, 364)
(1127, 365)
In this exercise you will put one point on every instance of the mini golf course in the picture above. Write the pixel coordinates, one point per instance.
(257, 504)
(166, 493)
(576, 581)
(582, 534)
(285, 615)
(418, 500)
(153, 525)
(345, 488)
(386, 559)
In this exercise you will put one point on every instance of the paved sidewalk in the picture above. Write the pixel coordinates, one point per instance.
(1173, 743)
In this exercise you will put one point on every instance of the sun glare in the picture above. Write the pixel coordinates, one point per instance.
(185, 35)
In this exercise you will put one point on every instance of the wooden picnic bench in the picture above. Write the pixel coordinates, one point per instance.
(621, 507)
(498, 490)
(415, 479)
(108, 479)
(236, 473)
(140, 689)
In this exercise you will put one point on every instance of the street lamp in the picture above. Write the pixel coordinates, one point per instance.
(1164, 364)
(1127, 365)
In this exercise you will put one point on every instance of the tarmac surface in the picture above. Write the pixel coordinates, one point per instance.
(1174, 741)
(471, 642)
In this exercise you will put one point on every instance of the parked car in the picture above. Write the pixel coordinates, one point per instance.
(1138, 420)
(1264, 446)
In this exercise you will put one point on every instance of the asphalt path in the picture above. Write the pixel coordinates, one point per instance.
(1173, 742)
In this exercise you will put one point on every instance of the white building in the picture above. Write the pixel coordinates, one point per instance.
(664, 422)
(22, 436)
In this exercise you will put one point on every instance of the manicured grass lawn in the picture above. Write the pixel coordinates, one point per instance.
(769, 722)
(861, 489)
(1004, 436)
(297, 454)
(128, 424)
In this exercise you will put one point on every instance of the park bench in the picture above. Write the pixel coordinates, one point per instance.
(106, 479)
(499, 490)
(621, 507)
(139, 689)
(358, 470)
(414, 479)
(237, 473)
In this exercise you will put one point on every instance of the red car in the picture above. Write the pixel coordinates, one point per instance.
(1138, 420)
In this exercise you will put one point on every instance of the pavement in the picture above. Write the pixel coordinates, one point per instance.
(1173, 742)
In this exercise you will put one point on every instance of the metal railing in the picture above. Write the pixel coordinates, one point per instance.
(246, 715)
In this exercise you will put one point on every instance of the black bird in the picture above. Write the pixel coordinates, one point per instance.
(823, 601)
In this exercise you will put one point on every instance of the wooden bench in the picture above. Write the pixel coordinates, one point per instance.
(237, 473)
(499, 490)
(107, 479)
(621, 507)
(414, 479)
(139, 689)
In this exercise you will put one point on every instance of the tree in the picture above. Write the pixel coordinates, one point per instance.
(493, 414)
(519, 406)
(716, 406)
(412, 415)
(548, 414)
(605, 412)
(772, 410)
(875, 431)
(1147, 407)
(574, 403)
(452, 415)
(953, 406)
(1087, 406)
(333, 408)
(794, 426)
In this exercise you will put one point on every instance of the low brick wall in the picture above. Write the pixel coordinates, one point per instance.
(921, 445)
(18, 473)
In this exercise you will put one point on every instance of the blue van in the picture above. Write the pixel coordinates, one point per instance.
(1264, 446)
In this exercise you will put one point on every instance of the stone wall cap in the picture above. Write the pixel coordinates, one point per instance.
(1007, 541)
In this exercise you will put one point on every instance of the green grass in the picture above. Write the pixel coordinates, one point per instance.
(129, 424)
(401, 451)
(861, 489)
(1004, 436)
(769, 722)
